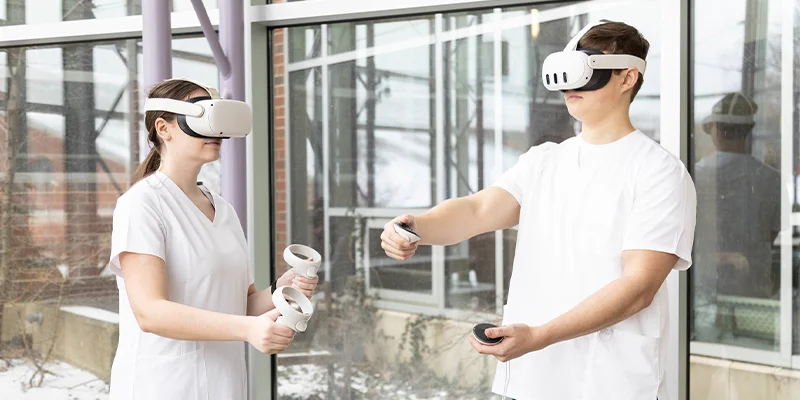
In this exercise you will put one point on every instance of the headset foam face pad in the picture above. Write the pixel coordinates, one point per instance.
(479, 332)
(600, 77)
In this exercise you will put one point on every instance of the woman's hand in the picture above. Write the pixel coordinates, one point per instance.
(301, 283)
(268, 336)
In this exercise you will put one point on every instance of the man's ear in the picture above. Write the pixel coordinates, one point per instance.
(631, 77)
(161, 129)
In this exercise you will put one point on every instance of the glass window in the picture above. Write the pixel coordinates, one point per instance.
(30, 12)
(69, 127)
(736, 147)
(381, 118)
(743, 286)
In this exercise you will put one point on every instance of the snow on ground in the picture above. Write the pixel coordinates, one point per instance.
(66, 383)
(308, 382)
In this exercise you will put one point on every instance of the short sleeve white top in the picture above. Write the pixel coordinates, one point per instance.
(207, 268)
(581, 206)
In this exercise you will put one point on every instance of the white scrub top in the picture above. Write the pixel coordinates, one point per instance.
(581, 206)
(207, 268)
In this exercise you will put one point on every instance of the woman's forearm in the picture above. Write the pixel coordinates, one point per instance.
(181, 322)
(259, 302)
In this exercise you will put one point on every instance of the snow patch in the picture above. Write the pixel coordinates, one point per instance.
(93, 313)
(65, 383)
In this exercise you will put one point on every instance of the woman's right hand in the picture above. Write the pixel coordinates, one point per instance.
(268, 336)
(394, 245)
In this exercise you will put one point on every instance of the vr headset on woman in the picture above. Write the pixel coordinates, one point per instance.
(207, 116)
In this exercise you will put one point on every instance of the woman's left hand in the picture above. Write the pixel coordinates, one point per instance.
(301, 283)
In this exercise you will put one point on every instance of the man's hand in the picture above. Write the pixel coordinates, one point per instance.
(301, 283)
(518, 340)
(394, 245)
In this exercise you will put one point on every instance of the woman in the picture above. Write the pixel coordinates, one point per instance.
(187, 298)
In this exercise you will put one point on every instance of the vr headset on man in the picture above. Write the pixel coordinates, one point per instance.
(584, 69)
(207, 116)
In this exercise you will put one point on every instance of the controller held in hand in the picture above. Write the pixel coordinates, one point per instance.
(406, 232)
(479, 333)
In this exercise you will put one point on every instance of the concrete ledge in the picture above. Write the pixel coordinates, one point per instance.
(717, 379)
(88, 339)
(454, 358)
(85, 337)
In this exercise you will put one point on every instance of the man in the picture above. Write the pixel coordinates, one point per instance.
(603, 218)
(741, 199)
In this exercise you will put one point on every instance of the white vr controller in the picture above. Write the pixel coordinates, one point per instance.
(294, 315)
(405, 231)
(304, 260)
(295, 308)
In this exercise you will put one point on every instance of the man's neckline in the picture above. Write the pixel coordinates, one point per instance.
(624, 138)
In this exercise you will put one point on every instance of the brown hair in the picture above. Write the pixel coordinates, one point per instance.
(617, 38)
(172, 89)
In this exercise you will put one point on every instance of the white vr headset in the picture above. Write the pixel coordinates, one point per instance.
(207, 116)
(584, 69)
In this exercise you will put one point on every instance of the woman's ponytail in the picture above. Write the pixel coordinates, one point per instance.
(149, 166)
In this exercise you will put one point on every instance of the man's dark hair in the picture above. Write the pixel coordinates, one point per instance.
(617, 38)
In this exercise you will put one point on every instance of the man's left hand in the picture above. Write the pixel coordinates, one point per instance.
(301, 283)
(518, 340)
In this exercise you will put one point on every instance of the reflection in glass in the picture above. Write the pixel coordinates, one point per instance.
(69, 127)
(738, 285)
(736, 142)
(413, 275)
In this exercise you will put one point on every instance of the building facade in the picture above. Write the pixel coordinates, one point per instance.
(366, 110)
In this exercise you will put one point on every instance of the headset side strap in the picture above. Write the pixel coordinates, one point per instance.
(617, 61)
(174, 106)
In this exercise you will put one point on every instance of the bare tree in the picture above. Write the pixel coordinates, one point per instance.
(16, 58)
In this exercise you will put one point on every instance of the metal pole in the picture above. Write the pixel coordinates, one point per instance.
(211, 36)
(234, 154)
(228, 51)
(157, 51)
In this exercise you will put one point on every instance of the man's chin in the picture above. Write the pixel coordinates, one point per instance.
(575, 112)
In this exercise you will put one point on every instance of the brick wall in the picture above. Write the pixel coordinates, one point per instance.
(279, 113)
(43, 196)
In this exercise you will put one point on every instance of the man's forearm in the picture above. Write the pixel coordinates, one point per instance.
(181, 322)
(610, 305)
(260, 302)
(447, 223)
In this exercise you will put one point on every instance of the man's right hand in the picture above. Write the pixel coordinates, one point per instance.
(268, 336)
(393, 244)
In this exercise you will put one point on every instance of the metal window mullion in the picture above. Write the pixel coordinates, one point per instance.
(674, 128)
(438, 253)
(89, 30)
(498, 153)
(787, 161)
(310, 13)
(326, 187)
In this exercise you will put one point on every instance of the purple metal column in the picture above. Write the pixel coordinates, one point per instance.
(157, 49)
(228, 52)
(234, 155)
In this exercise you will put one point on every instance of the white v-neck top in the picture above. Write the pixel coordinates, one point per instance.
(207, 268)
(581, 206)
